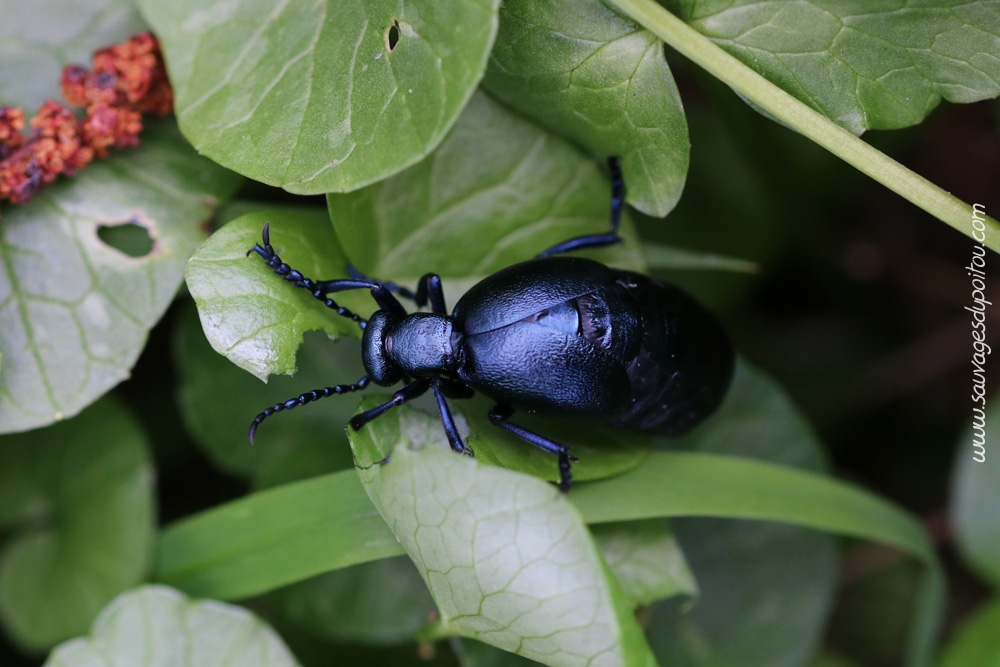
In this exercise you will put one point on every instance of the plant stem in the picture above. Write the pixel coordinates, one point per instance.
(808, 122)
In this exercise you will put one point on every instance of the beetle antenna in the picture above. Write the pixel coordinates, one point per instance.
(319, 290)
(307, 397)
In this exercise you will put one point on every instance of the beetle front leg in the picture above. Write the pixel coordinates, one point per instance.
(428, 287)
(407, 393)
(499, 416)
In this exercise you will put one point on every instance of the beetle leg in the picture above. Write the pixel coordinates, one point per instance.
(430, 287)
(407, 393)
(447, 421)
(307, 397)
(499, 416)
(391, 286)
(599, 240)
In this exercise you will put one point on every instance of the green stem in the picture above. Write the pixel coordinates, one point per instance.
(808, 122)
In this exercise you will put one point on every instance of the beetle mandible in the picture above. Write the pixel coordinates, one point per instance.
(564, 336)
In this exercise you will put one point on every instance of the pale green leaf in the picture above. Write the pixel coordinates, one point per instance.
(506, 556)
(75, 311)
(156, 626)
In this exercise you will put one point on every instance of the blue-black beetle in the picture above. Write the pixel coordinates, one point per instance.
(557, 335)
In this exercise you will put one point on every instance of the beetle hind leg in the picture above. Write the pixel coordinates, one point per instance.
(500, 415)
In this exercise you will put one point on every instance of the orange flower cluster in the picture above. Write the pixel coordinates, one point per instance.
(127, 80)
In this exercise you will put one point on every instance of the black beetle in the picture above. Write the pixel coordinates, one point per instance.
(557, 335)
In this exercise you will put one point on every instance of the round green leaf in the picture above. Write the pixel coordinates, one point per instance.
(871, 65)
(75, 311)
(496, 192)
(85, 488)
(38, 39)
(600, 81)
(507, 558)
(318, 98)
(156, 625)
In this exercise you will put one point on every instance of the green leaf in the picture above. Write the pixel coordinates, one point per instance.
(756, 420)
(865, 65)
(218, 400)
(274, 538)
(765, 595)
(81, 495)
(38, 39)
(249, 314)
(976, 493)
(975, 640)
(380, 602)
(687, 484)
(76, 311)
(250, 546)
(497, 191)
(659, 256)
(155, 625)
(506, 556)
(766, 588)
(317, 98)
(646, 560)
(598, 80)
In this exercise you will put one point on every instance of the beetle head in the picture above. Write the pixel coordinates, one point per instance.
(418, 346)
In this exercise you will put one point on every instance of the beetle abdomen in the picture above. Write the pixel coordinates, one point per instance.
(534, 367)
(684, 365)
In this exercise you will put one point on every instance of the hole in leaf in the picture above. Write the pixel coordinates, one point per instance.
(132, 239)
(392, 35)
